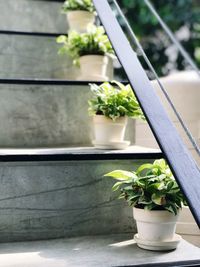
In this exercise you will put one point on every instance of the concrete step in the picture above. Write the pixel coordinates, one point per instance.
(32, 15)
(34, 56)
(52, 197)
(94, 251)
(47, 115)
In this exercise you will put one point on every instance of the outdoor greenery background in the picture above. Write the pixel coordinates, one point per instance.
(182, 17)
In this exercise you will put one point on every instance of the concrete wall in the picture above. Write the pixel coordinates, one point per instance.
(47, 116)
(184, 90)
(45, 200)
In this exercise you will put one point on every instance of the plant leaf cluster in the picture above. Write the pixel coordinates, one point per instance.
(71, 5)
(92, 42)
(114, 100)
(150, 187)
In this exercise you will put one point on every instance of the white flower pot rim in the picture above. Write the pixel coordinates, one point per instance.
(154, 212)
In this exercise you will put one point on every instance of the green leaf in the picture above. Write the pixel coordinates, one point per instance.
(121, 175)
(159, 199)
(61, 39)
(116, 186)
(143, 167)
(160, 162)
(171, 207)
(144, 200)
(150, 206)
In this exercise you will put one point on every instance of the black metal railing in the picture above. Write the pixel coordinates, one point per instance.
(180, 160)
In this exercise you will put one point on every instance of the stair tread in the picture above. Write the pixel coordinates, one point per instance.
(59, 153)
(74, 150)
(113, 250)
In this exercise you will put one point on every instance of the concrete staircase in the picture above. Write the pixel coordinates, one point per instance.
(51, 183)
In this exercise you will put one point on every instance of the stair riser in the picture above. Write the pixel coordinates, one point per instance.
(29, 56)
(45, 200)
(46, 116)
(38, 16)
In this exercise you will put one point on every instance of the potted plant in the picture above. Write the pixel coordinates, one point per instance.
(111, 105)
(156, 199)
(91, 50)
(80, 13)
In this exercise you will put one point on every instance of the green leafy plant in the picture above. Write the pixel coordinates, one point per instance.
(93, 42)
(114, 100)
(150, 187)
(71, 5)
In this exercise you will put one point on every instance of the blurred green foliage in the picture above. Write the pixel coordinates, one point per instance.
(182, 17)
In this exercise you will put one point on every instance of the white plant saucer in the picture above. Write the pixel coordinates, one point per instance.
(158, 245)
(111, 145)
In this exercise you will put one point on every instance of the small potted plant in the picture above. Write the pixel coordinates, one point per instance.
(156, 199)
(91, 50)
(80, 13)
(111, 105)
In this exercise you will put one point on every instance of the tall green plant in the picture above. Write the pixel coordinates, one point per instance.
(94, 41)
(71, 5)
(114, 100)
(150, 187)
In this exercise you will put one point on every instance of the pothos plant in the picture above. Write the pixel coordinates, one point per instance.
(114, 100)
(150, 187)
(92, 42)
(71, 5)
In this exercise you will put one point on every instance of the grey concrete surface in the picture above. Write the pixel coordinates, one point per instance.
(25, 56)
(193, 239)
(94, 251)
(32, 15)
(47, 116)
(42, 200)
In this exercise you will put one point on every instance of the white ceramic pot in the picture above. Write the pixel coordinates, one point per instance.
(106, 129)
(79, 20)
(96, 68)
(155, 225)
